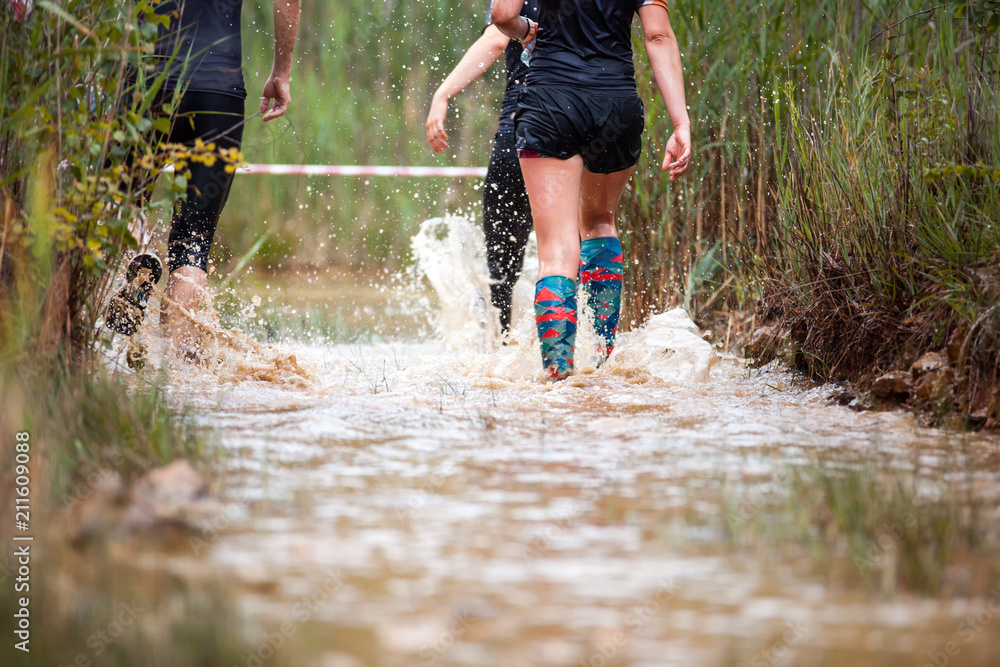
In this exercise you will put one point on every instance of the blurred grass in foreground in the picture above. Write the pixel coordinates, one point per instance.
(66, 200)
(100, 608)
(873, 525)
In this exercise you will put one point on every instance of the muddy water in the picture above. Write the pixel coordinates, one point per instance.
(410, 502)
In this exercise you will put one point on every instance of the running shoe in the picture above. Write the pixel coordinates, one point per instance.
(128, 307)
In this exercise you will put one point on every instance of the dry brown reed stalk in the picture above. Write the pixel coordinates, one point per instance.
(685, 241)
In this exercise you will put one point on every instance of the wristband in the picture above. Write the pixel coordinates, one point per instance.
(527, 32)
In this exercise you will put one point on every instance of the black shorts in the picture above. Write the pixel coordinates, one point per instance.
(562, 121)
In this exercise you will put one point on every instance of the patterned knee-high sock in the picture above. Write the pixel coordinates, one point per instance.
(601, 277)
(555, 319)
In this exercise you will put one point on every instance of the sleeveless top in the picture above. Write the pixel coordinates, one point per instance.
(586, 44)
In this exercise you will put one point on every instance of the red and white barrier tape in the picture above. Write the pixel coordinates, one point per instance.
(359, 170)
(355, 170)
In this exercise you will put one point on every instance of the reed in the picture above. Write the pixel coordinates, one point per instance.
(362, 86)
(886, 237)
(68, 194)
(688, 241)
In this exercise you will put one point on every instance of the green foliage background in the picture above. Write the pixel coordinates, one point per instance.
(364, 76)
(366, 73)
(845, 182)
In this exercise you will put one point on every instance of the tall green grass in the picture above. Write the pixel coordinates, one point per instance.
(364, 76)
(887, 230)
(363, 83)
(688, 240)
(66, 200)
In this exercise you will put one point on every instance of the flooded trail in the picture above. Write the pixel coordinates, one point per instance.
(414, 505)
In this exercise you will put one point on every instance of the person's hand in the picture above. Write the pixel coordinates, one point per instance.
(276, 97)
(436, 136)
(678, 154)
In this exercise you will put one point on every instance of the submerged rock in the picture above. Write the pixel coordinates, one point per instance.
(936, 385)
(669, 347)
(165, 502)
(930, 361)
(893, 383)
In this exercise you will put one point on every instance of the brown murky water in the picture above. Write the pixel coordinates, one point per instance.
(412, 505)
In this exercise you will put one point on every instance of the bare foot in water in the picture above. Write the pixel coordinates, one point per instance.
(188, 289)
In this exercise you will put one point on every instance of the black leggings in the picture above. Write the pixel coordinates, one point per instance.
(506, 222)
(213, 118)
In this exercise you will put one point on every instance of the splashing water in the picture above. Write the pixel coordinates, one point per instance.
(450, 254)
(474, 514)
(669, 347)
(223, 354)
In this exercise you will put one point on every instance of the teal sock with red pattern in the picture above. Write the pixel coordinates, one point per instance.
(555, 320)
(601, 278)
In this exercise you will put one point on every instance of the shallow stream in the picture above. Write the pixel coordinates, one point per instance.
(417, 499)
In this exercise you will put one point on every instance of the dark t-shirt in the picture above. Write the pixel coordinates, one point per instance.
(586, 44)
(201, 48)
(516, 69)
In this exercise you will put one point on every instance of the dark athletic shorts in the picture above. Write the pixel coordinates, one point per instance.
(563, 121)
